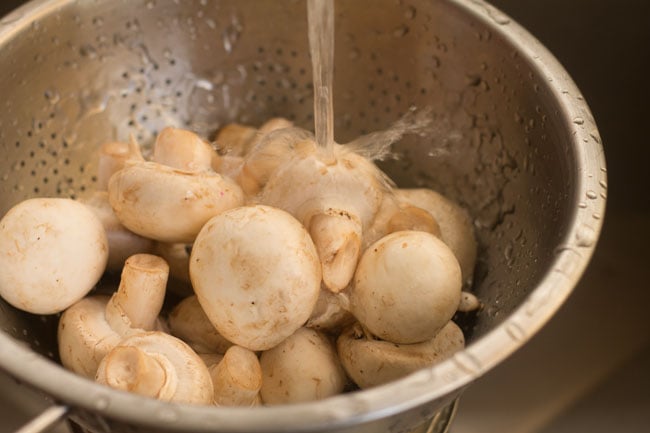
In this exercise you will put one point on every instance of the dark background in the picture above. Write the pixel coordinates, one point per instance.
(587, 369)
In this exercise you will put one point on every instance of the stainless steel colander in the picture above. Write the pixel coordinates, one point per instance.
(514, 142)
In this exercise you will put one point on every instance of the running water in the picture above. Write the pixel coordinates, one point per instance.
(374, 146)
(320, 15)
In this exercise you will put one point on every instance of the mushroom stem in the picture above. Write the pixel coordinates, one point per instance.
(237, 378)
(172, 371)
(337, 237)
(141, 293)
(130, 369)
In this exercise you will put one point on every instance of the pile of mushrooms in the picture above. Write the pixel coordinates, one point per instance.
(303, 274)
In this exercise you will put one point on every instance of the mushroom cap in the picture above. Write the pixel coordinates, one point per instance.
(52, 253)
(369, 362)
(189, 322)
(302, 368)
(167, 204)
(456, 227)
(85, 336)
(272, 150)
(183, 149)
(309, 185)
(256, 273)
(407, 286)
(186, 377)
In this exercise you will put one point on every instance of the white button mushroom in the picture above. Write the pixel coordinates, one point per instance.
(335, 200)
(256, 273)
(177, 257)
(140, 295)
(52, 253)
(302, 368)
(235, 139)
(394, 216)
(369, 362)
(122, 243)
(331, 313)
(157, 365)
(237, 378)
(91, 327)
(167, 204)
(183, 149)
(456, 228)
(468, 302)
(407, 286)
(189, 322)
(112, 157)
(269, 152)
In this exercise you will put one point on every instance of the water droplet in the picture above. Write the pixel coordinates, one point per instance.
(507, 252)
(101, 403)
(231, 34)
(467, 362)
(591, 195)
(401, 31)
(596, 216)
(52, 96)
(603, 184)
(585, 236)
(515, 331)
(410, 13)
(578, 120)
(168, 414)
(204, 84)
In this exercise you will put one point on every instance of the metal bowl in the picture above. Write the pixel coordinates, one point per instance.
(514, 142)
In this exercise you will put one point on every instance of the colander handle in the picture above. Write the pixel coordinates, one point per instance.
(46, 420)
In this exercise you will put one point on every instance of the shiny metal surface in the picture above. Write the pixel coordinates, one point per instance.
(515, 143)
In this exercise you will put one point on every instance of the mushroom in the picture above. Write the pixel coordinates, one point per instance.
(157, 365)
(302, 368)
(189, 322)
(168, 204)
(456, 228)
(237, 140)
(330, 314)
(468, 302)
(237, 378)
(256, 274)
(52, 253)
(122, 243)
(394, 216)
(177, 256)
(406, 288)
(112, 157)
(269, 152)
(183, 149)
(335, 200)
(370, 362)
(94, 325)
